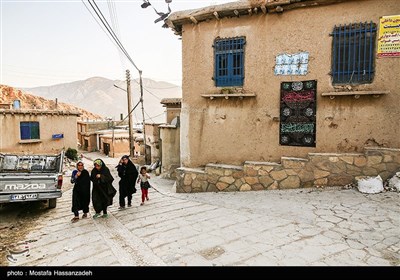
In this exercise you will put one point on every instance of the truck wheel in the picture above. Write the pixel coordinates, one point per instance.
(52, 203)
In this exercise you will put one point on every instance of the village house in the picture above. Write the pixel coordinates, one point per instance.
(152, 143)
(170, 137)
(33, 124)
(32, 131)
(107, 136)
(288, 94)
(87, 135)
(113, 142)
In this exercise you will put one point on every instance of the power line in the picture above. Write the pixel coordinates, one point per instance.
(164, 87)
(159, 98)
(152, 93)
(154, 116)
(102, 28)
(113, 16)
(149, 91)
(115, 36)
(109, 29)
(121, 121)
(118, 42)
(114, 22)
(149, 118)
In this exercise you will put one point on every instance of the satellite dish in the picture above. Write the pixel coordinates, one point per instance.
(175, 122)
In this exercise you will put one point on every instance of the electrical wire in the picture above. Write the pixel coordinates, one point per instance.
(117, 41)
(102, 28)
(153, 116)
(122, 48)
(114, 22)
(109, 29)
(121, 121)
(175, 86)
(159, 98)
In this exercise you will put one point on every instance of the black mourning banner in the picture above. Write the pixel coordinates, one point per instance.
(297, 114)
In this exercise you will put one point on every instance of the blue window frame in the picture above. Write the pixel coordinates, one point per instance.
(29, 130)
(353, 49)
(229, 61)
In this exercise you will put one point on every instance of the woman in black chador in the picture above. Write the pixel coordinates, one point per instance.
(128, 173)
(81, 191)
(103, 190)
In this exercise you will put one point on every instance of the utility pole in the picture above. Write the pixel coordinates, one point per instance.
(128, 90)
(113, 146)
(141, 101)
(111, 121)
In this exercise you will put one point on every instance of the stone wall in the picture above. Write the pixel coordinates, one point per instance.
(319, 169)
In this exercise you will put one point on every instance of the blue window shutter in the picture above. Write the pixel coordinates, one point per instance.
(221, 69)
(229, 62)
(25, 131)
(29, 130)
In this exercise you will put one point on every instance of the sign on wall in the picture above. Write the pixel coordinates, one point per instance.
(389, 36)
(57, 136)
(291, 64)
(298, 113)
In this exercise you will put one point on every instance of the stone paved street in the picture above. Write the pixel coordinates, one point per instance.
(265, 228)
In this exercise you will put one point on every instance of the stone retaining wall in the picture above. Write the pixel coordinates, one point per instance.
(319, 169)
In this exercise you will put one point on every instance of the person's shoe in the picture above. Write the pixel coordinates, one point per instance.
(105, 216)
(84, 215)
(95, 216)
(121, 208)
(141, 203)
(75, 219)
(147, 199)
(129, 205)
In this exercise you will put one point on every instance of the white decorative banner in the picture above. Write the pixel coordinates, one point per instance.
(291, 64)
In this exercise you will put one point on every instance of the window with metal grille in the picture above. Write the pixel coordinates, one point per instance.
(29, 130)
(229, 61)
(353, 49)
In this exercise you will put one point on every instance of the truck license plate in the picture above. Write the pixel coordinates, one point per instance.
(24, 196)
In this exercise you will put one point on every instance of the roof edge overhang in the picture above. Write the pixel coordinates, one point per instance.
(240, 8)
(38, 112)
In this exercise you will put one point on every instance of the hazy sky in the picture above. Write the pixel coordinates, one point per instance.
(50, 42)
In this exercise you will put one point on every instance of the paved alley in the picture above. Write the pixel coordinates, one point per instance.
(300, 227)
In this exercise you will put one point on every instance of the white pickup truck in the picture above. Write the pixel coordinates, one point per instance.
(31, 178)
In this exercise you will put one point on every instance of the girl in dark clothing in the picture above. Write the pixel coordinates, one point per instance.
(81, 191)
(128, 173)
(103, 191)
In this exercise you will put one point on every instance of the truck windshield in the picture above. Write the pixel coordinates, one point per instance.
(29, 163)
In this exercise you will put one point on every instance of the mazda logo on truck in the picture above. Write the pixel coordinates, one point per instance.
(24, 186)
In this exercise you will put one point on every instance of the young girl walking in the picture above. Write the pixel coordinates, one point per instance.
(144, 183)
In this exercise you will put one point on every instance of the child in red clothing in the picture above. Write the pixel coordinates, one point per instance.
(144, 183)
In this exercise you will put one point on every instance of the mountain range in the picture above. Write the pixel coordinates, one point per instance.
(99, 96)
